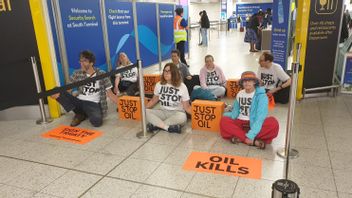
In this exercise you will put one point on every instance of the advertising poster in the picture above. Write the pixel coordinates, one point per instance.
(243, 9)
(82, 31)
(166, 19)
(347, 75)
(279, 34)
(147, 33)
(119, 18)
(322, 40)
(56, 44)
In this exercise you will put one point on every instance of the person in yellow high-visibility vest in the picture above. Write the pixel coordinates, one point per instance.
(180, 33)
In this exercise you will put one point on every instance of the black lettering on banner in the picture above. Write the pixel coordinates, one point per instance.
(129, 108)
(215, 159)
(204, 115)
(223, 164)
(243, 170)
(267, 79)
(235, 88)
(203, 165)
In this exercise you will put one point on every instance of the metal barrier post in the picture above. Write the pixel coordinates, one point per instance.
(43, 119)
(143, 133)
(287, 152)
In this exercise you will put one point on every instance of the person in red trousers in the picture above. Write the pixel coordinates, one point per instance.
(248, 121)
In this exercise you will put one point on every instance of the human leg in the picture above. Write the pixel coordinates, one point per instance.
(269, 130)
(93, 112)
(230, 128)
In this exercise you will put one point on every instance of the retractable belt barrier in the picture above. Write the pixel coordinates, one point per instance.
(83, 82)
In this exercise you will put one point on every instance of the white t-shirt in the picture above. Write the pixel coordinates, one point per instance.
(129, 75)
(213, 78)
(91, 91)
(171, 97)
(270, 77)
(245, 101)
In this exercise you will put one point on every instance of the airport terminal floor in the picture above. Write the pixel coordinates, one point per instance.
(118, 164)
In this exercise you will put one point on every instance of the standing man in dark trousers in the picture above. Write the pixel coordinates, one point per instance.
(180, 33)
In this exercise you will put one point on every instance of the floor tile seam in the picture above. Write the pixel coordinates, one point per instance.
(14, 186)
(62, 146)
(106, 175)
(348, 108)
(327, 147)
(51, 165)
(153, 185)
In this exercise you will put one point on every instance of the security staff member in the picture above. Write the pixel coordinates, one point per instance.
(180, 33)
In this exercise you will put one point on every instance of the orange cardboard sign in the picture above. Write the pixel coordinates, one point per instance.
(232, 87)
(130, 108)
(150, 81)
(224, 164)
(72, 134)
(206, 115)
(271, 101)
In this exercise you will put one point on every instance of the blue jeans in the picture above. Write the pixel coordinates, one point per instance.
(86, 108)
(204, 32)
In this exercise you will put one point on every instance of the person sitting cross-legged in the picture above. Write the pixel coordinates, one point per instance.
(248, 121)
(174, 102)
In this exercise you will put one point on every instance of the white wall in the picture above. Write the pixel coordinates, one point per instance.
(213, 11)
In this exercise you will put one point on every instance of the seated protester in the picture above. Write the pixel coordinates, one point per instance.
(274, 78)
(91, 100)
(189, 80)
(126, 81)
(248, 121)
(174, 101)
(212, 78)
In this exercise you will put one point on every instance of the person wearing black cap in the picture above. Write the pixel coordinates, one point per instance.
(248, 121)
(180, 33)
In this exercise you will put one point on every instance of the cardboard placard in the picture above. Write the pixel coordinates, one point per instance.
(72, 134)
(271, 101)
(206, 115)
(130, 108)
(232, 87)
(150, 81)
(224, 164)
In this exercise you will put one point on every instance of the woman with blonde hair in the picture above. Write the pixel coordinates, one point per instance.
(126, 81)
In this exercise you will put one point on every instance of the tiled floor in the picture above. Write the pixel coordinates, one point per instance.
(118, 164)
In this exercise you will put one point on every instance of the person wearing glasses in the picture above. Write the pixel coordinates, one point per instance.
(91, 100)
(274, 78)
(126, 81)
(173, 96)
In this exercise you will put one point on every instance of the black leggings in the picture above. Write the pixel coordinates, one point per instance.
(181, 47)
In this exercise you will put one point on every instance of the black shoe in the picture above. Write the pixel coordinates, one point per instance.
(77, 120)
(174, 128)
(151, 128)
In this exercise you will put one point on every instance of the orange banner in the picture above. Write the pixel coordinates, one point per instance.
(224, 164)
(72, 134)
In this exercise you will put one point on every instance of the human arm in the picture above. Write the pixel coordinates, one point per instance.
(152, 102)
(202, 78)
(235, 111)
(117, 82)
(187, 107)
(112, 96)
(282, 86)
(261, 113)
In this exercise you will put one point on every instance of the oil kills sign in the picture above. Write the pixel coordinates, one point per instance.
(224, 164)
